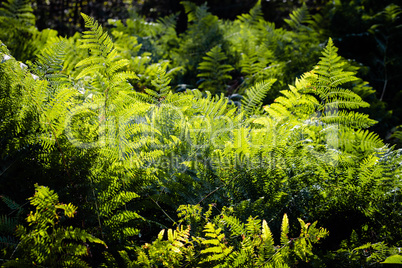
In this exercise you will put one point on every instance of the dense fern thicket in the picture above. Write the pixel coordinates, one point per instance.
(233, 144)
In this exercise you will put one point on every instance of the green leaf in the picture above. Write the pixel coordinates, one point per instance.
(394, 259)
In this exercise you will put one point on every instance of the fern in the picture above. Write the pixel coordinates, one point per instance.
(50, 64)
(299, 17)
(17, 17)
(170, 253)
(214, 244)
(247, 244)
(212, 69)
(324, 83)
(254, 96)
(104, 59)
(45, 244)
(254, 16)
(113, 210)
(18, 10)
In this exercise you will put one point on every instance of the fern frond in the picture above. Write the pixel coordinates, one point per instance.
(81, 235)
(284, 230)
(20, 11)
(216, 249)
(43, 242)
(50, 63)
(212, 69)
(194, 12)
(363, 140)
(169, 21)
(161, 83)
(10, 203)
(254, 16)
(237, 228)
(7, 224)
(104, 57)
(350, 119)
(299, 17)
(255, 95)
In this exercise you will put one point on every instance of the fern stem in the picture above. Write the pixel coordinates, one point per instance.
(385, 70)
(210, 194)
(12, 254)
(217, 189)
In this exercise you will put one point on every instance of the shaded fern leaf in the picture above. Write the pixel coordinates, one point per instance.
(50, 63)
(10, 203)
(213, 70)
(193, 11)
(18, 11)
(254, 16)
(299, 17)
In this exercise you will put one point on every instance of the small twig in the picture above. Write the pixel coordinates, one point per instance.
(217, 189)
(12, 254)
(210, 194)
(164, 212)
(385, 70)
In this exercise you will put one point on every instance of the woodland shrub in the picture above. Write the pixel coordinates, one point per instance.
(97, 118)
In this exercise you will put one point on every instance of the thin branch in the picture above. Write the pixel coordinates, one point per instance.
(164, 212)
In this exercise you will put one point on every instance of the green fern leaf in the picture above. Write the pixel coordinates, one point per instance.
(299, 17)
(284, 230)
(254, 16)
(255, 95)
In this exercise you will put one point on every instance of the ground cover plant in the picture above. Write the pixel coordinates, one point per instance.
(233, 144)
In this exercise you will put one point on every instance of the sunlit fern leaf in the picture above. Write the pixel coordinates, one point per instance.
(293, 103)
(104, 57)
(330, 69)
(351, 119)
(211, 62)
(253, 226)
(284, 230)
(255, 95)
(216, 249)
(267, 248)
(97, 41)
(43, 241)
(368, 140)
(318, 94)
(162, 89)
(236, 226)
(362, 140)
(213, 106)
